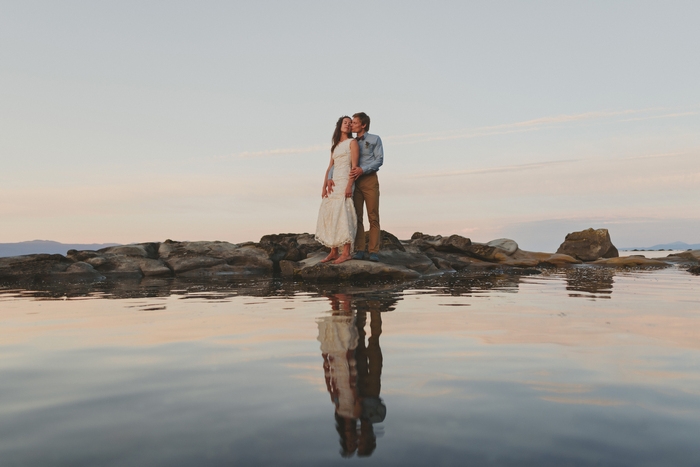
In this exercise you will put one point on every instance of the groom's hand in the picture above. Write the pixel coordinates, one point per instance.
(356, 172)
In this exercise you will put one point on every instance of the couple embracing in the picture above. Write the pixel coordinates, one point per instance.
(351, 183)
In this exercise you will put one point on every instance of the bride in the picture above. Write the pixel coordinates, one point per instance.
(337, 220)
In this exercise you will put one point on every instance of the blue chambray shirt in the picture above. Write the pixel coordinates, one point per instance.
(371, 154)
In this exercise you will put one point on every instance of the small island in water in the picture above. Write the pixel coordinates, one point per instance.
(298, 256)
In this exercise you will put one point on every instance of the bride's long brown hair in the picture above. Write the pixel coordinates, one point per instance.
(336, 133)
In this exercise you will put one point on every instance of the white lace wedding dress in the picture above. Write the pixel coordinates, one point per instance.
(337, 220)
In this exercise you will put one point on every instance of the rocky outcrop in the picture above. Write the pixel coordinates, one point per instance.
(33, 265)
(289, 247)
(392, 265)
(387, 241)
(195, 259)
(311, 269)
(298, 256)
(692, 256)
(633, 261)
(589, 245)
(166, 259)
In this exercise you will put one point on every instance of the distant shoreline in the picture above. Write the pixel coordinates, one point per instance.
(50, 247)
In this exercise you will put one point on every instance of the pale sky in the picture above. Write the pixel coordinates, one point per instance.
(141, 121)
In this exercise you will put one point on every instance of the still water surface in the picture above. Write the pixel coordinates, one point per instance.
(583, 367)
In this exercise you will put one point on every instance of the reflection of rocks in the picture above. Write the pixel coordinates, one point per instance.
(595, 281)
(589, 245)
(465, 284)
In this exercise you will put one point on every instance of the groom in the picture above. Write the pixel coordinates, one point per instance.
(366, 186)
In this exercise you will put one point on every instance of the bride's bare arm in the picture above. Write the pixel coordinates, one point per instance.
(354, 160)
(354, 154)
(327, 184)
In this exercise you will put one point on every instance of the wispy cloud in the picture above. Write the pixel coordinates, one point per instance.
(682, 114)
(504, 168)
(653, 156)
(466, 133)
(526, 125)
(275, 152)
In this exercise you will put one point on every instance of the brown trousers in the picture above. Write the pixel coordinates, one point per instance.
(367, 192)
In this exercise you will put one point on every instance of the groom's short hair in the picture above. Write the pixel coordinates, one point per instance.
(364, 119)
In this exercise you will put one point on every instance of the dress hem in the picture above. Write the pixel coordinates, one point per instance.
(351, 242)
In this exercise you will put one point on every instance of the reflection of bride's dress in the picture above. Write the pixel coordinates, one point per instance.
(339, 338)
(337, 220)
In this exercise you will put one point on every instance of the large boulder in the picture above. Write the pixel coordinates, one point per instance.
(496, 251)
(141, 250)
(387, 241)
(393, 265)
(507, 245)
(33, 265)
(692, 256)
(589, 245)
(290, 247)
(209, 258)
(83, 270)
(116, 264)
(451, 244)
(556, 260)
(139, 259)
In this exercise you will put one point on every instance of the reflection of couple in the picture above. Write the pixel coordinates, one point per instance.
(353, 171)
(353, 374)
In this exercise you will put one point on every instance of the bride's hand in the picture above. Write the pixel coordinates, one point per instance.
(348, 191)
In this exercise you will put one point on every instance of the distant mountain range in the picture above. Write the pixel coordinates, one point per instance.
(667, 246)
(47, 246)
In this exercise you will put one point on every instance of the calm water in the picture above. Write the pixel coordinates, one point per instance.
(584, 367)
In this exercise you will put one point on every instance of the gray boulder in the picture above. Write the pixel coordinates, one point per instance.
(33, 265)
(692, 256)
(209, 258)
(116, 264)
(83, 270)
(140, 259)
(387, 241)
(589, 245)
(506, 245)
(141, 250)
(393, 265)
(451, 244)
(154, 267)
(290, 247)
